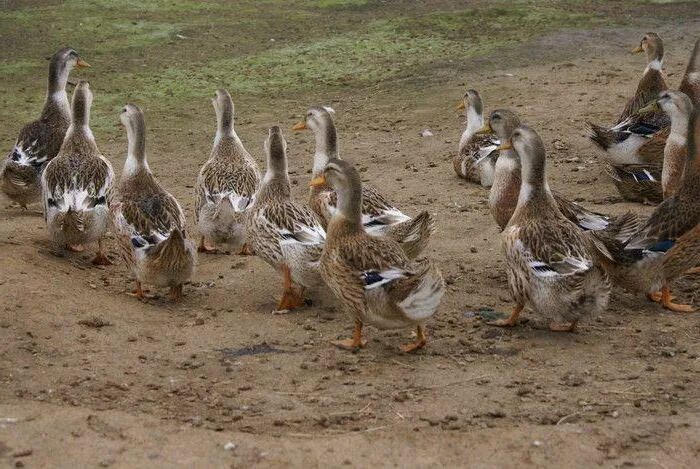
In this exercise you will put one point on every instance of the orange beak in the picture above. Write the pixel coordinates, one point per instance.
(299, 126)
(82, 63)
(638, 49)
(460, 106)
(318, 181)
(506, 146)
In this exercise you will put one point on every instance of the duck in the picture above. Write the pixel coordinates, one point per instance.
(476, 156)
(678, 106)
(76, 184)
(633, 147)
(148, 221)
(39, 141)
(285, 234)
(226, 184)
(372, 276)
(379, 216)
(690, 83)
(667, 245)
(553, 267)
(504, 193)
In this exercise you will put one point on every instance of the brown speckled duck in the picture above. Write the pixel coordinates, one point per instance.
(226, 184)
(476, 155)
(39, 141)
(148, 221)
(633, 147)
(283, 233)
(372, 276)
(552, 265)
(379, 216)
(76, 184)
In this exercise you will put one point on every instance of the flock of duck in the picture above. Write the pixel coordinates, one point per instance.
(561, 258)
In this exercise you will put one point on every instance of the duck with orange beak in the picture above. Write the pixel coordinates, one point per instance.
(39, 141)
(372, 276)
(379, 216)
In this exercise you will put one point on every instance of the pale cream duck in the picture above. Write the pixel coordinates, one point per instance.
(553, 267)
(372, 276)
(476, 155)
(678, 106)
(39, 141)
(285, 234)
(379, 216)
(76, 184)
(148, 221)
(226, 184)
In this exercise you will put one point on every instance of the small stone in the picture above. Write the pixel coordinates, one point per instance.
(230, 446)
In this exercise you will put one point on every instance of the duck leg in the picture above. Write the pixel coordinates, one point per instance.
(100, 258)
(420, 342)
(667, 302)
(563, 327)
(355, 342)
(511, 321)
(291, 299)
(204, 248)
(139, 292)
(176, 293)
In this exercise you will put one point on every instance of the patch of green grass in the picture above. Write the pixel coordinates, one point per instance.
(337, 4)
(15, 68)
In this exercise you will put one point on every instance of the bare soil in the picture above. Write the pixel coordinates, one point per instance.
(92, 377)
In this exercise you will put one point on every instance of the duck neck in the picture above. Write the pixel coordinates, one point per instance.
(692, 72)
(348, 218)
(276, 180)
(326, 146)
(534, 186)
(80, 121)
(475, 121)
(655, 60)
(56, 95)
(136, 156)
(679, 123)
(224, 121)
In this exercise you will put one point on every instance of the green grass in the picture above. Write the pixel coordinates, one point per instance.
(178, 51)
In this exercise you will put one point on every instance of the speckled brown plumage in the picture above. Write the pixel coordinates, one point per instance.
(226, 183)
(39, 141)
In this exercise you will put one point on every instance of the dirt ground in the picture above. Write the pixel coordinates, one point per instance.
(90, 377)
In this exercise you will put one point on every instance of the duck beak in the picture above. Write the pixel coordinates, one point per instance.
(486, 129)
(460, 106)
(650, 108)
(299, 126)
(638, 50)
(505, 146)
(318, 181)
(82, 63)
